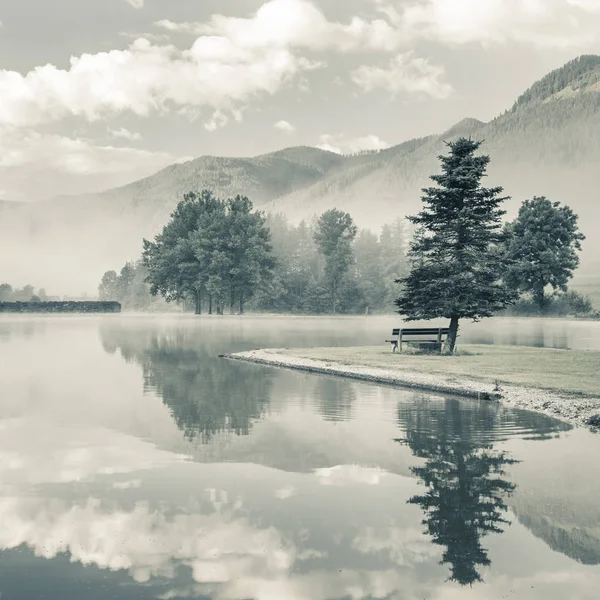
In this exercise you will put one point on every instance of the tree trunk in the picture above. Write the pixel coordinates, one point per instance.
(231, 303)
(198, 308)
(333, 307)
(452, 335)
(210, 304)
(241, 303)
(539, 298)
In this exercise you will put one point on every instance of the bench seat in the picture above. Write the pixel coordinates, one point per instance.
(431, 334)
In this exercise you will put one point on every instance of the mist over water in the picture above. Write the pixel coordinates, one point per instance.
(138, 464)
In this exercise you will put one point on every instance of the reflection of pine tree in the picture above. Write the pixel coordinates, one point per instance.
(197, 387)
(465, 488)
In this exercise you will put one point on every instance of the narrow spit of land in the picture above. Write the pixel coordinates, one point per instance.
(561, 383)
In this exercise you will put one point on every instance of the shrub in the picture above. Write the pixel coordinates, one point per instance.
(594, 420)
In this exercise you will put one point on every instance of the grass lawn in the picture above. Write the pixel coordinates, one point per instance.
(571, 371)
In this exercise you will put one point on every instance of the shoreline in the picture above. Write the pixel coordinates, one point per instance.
(571, 408)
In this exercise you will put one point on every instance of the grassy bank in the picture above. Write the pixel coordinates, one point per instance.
(570, 371)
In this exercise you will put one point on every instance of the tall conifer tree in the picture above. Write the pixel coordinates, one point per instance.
(456, 260)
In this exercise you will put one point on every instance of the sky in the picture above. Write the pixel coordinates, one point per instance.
(95, 94)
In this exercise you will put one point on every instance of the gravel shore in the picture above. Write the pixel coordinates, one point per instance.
(572, 409)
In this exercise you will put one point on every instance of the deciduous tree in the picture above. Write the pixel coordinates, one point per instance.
(542, 245)
(210, 246)
(334, 233)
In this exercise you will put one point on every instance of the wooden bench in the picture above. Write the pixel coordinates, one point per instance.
(433, 334)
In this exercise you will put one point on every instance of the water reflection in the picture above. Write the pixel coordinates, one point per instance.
(464, 480)
(334, 398)
(11, 328)
(203, 398)
(102, 497)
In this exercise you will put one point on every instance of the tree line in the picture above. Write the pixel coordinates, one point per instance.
(218, 255)
(455, 260)
(25, 294)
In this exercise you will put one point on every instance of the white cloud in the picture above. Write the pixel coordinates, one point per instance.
(217, 121)
(125, 134)
(404, 74)
(136, 3)
(213, 73)
(74, 155)
(341, 144)
(284, 126)
(591, 5)
(541, 23)
(295, 23)
(235, 59)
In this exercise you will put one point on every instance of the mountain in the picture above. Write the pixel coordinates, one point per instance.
(547, 143)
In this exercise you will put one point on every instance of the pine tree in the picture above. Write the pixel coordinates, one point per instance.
(464, 478)
(456, 260)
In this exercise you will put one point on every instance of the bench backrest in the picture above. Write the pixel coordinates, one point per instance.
(426, 331)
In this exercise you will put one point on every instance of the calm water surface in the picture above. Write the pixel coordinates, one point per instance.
(135, 464)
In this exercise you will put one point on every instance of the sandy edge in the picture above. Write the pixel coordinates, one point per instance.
(572, 409)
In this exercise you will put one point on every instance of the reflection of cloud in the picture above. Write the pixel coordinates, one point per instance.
(219, 548)
(127, 485)
(315, 585)
(286, 492)
(63, 454)
(229, 557)
(403, 546)
(344, 474)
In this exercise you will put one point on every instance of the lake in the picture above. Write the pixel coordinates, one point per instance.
(136, 464)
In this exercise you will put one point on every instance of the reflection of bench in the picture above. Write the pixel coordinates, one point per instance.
(427, 337)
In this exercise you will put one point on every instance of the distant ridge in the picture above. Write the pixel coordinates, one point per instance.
(465, 128)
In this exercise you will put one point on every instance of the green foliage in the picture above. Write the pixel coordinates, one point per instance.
(67, 306)
(129, 288)
(394, 245)
(334, 233)
(559, 79)
(563, 304)
(296, 283)
(369, 268)
(6, 292)
(24, 294)
(211, 247)
(541, 247)
(456, 263)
